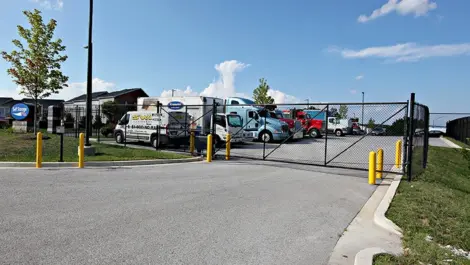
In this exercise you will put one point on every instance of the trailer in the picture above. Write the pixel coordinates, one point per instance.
(200, 111)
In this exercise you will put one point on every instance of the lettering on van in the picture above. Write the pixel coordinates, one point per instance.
(146, 117)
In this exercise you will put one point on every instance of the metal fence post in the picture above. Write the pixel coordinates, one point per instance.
(326, 132)
(158, 126)
(264, 141)
(405, 137)
(100, 124)
(426, 136)
(410, 136)
(186, 127)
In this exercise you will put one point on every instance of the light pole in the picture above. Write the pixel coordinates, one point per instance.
(308, 103)
(362, 119)
(436, 120)
(89, 78)
(173, 92)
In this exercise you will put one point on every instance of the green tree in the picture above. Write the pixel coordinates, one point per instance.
(109, 110)
(371, 123)
(260, 94)
(343, 112)
(36, 66)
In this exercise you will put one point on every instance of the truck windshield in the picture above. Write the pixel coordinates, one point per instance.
(234, 121)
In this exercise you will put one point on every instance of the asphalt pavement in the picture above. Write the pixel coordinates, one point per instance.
(197, 213)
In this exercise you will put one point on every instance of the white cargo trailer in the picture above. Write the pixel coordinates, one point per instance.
(199, 109)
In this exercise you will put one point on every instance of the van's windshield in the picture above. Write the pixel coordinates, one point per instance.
(234, 121)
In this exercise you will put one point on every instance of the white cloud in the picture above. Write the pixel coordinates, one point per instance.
(406, 52)
(73, 90)
(403, 7)
(224, 86)
(359, 77)
(178, 92)
(281, 97)
(47, 4)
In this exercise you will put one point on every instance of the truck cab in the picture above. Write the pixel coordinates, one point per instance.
(295, 126)
(256, 120)
(312, 127)
(225, 124)
(339, 127)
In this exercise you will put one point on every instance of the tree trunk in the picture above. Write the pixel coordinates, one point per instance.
(35, 115)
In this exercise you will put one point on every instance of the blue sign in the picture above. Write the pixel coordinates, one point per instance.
(19, 111)
(175, 105)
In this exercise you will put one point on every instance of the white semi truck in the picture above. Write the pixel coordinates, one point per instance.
(199, 109)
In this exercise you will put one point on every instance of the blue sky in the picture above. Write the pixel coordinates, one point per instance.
(305, 49)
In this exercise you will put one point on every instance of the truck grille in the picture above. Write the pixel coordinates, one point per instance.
(285, 128)
(298, 126)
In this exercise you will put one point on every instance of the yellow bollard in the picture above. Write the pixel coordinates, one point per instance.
(398, 154)
(380, 163)
(39, 150)
(81, 153)
(209, 148)
(191, 143)
(372, 165)
(227, 147)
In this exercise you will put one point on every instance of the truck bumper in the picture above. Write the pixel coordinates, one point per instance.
(280, 136)
(298, 135)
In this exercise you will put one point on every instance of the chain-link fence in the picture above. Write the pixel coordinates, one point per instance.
(323, 134)
(459, 129)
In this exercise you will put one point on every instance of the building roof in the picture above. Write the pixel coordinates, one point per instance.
(5, 100)
(105, 94)
(43, 101)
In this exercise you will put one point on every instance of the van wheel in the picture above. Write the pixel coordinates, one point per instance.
(339, 133)
(265, 137)
(314, 133)
(154, 141)
(119, 138)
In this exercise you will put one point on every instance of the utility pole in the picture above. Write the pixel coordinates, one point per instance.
(362, 119)
(173, 92)
(89, 78)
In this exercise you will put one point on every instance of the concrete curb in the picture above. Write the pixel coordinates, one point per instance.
(450, 143)
(100, 163)
(379, 215)
(366, 256)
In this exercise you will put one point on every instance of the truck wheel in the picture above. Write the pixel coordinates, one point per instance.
(119, 138)
(154, 141)
(339, 133)
(265, 137)
(314, 133)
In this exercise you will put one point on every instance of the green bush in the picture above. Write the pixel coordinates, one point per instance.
(107, 130)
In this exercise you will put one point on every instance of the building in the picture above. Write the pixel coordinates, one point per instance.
(43, 105)
(76, 107)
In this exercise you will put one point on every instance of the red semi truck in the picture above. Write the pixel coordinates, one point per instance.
(312, 127)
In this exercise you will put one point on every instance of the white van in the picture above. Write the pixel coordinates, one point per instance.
(199, 108)
(142, 126)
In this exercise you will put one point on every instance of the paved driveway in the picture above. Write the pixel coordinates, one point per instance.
(218, 213)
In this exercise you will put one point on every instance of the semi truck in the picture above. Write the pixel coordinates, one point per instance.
(200, 111)
(311, 127)
(339, 127)
(295, 127)
(257, 120)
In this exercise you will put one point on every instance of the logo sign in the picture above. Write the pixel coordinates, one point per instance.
(19, 111)
(175, 105)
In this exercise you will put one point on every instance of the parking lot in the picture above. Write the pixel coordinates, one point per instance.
(312, 151)
(198, 213)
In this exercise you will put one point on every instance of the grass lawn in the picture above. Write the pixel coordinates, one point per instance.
(436, 203)
(21, 148)
(459, 143)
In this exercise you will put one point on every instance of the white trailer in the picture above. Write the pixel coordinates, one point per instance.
(199, 110)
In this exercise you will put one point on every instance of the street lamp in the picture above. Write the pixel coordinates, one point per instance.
(436, 120)
(362, 119)
(308, 103)
(89, 77)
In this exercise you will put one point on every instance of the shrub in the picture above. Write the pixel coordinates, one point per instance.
(107, 130)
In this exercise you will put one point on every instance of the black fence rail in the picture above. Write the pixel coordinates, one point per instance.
(459, 129)
(323, 134)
